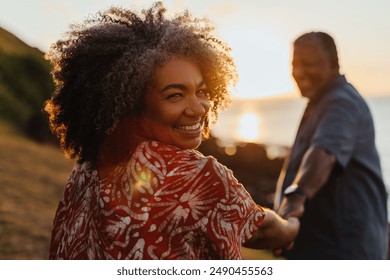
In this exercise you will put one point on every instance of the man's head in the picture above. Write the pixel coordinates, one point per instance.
(315, 63)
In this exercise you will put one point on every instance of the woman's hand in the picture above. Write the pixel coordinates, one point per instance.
(275, 232)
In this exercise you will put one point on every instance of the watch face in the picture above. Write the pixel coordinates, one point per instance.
(291, 189)
(294, 189)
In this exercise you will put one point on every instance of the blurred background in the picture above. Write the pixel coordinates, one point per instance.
(251, 138)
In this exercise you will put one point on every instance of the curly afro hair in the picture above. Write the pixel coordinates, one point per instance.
(104, 66)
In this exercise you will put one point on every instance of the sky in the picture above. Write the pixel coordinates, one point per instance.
(260, 33)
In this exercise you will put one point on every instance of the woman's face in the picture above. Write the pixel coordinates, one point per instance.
(176, 105)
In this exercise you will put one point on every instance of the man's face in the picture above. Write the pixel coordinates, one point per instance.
(312, 68)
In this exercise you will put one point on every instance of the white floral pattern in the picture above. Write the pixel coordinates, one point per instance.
(164, 203)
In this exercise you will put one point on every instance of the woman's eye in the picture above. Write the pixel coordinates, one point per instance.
(203, 92)
(174, 96)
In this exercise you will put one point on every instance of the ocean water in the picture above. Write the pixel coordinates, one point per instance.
(274, 122)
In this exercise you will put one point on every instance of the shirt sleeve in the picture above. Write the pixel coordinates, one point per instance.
(338, 129)
(240, 207)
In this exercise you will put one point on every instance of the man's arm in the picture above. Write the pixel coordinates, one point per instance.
(317, 164)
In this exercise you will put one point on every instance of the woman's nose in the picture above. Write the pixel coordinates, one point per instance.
(197, 106)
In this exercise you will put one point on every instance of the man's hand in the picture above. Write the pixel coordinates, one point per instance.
(292, 206)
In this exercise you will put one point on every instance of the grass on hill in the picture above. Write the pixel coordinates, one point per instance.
(32, 177)
(25, 83)
(11, 44)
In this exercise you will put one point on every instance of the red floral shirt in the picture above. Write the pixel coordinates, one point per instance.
(164, 203)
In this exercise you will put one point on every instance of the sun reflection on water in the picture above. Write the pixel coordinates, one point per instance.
(249, 127)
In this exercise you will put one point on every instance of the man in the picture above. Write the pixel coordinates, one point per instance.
(332, 179)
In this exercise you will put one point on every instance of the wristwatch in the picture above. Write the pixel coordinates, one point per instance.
(294, 188)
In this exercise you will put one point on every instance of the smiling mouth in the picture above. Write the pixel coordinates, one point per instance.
(194, 127)
(190, 131)
(304, 83)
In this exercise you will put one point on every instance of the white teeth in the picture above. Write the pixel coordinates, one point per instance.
(190, 127)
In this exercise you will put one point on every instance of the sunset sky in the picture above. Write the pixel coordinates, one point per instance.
(259, 32)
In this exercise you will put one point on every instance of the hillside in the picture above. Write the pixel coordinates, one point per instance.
(32, 177)
(25, 83)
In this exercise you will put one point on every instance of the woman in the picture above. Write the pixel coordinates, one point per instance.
(134, 96)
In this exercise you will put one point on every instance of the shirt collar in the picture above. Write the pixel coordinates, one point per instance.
(338, 80)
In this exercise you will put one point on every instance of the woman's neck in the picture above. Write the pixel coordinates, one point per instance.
(117, 147)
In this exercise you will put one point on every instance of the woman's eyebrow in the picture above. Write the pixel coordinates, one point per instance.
(180, 86)
(173, 86)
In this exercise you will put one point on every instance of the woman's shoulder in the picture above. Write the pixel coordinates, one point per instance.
(83, 171)
(159, 158)
(166, 150)
(157, 153)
